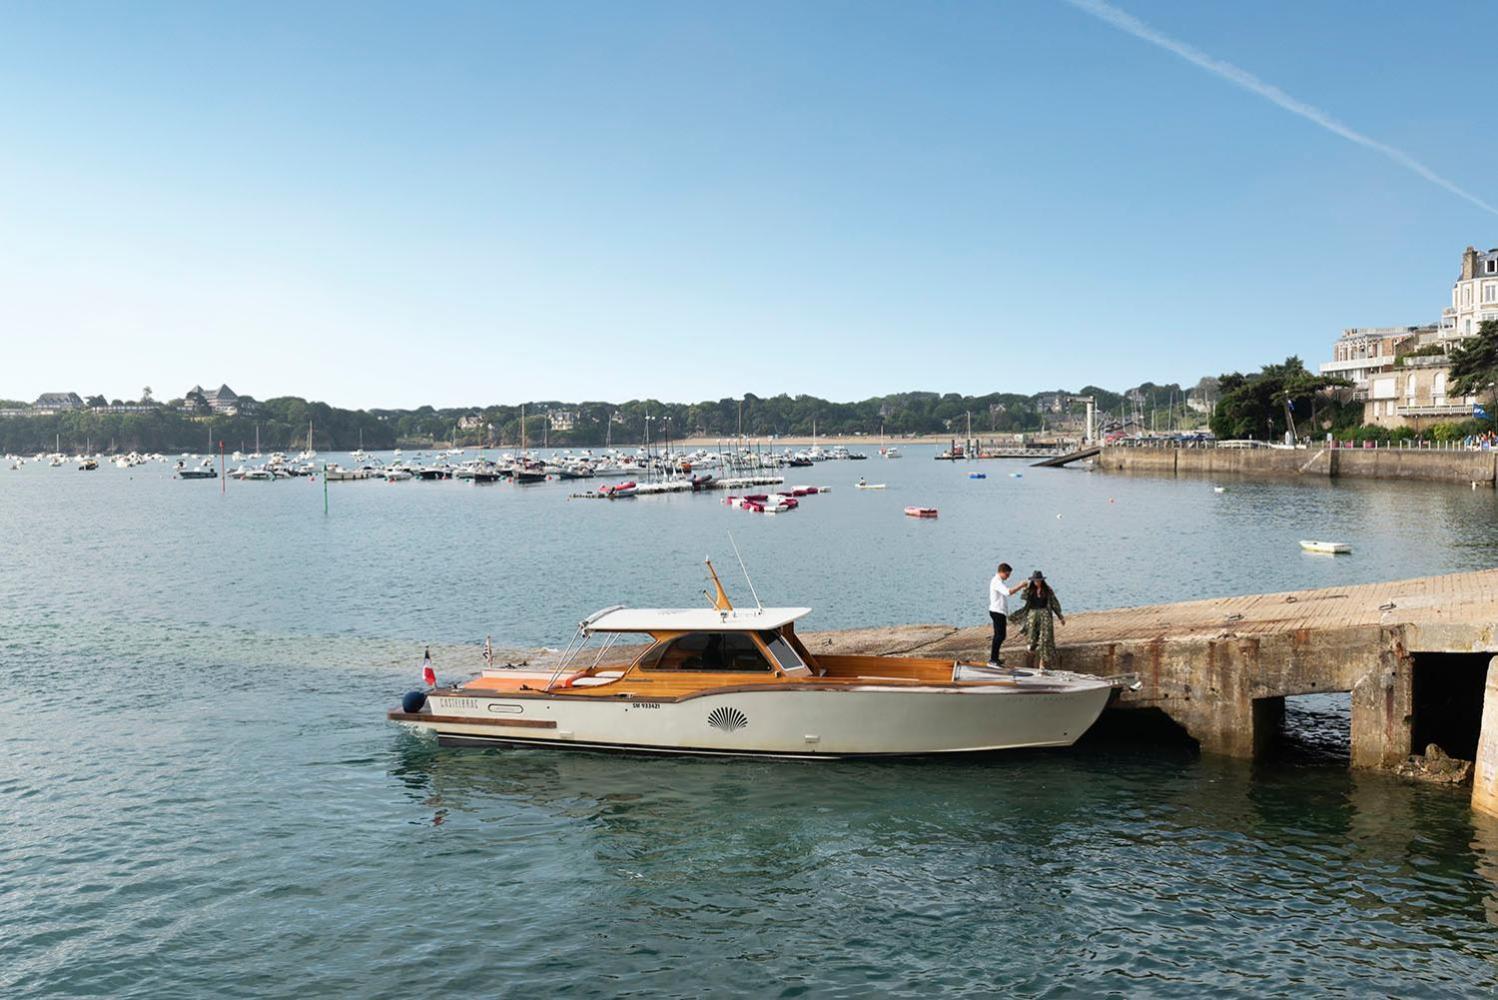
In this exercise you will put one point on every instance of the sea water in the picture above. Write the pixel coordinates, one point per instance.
(200, 795)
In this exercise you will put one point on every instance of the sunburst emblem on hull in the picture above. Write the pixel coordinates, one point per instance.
(727, 719)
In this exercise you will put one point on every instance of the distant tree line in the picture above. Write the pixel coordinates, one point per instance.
(189, 425)
(282, 424)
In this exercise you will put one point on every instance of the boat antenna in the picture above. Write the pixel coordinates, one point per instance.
(740, 558)
(720, 599)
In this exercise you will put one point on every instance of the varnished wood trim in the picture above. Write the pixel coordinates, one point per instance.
(780, 686)
(394, 716)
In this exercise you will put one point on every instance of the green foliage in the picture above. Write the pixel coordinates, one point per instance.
(1373, 432)
(282, 424)
(1458, 430)
(1255, 405)
(1474, 366)
(1428, 351)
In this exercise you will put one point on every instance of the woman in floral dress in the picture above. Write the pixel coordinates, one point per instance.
(1038, 618)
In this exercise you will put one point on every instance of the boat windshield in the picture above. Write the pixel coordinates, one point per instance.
(785, 654)
(725, 651)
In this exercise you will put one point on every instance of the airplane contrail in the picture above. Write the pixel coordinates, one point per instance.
(1129, 24)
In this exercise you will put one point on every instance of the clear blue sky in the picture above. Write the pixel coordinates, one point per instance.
(467, 203)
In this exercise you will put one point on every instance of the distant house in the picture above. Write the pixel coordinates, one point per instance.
(57, 402)
(222, 400)
(470, 421)
(562, 420)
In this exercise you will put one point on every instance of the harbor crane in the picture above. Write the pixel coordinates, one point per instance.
(1091, 401)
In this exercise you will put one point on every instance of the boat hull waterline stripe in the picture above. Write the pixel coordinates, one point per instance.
(460, 740)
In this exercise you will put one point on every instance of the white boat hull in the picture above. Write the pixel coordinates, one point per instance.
(1326, 548)
(811, 722)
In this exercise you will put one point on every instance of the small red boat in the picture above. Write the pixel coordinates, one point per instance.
(920, 511)
(619, 490)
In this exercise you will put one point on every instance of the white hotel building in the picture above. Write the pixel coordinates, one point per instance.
(1474, 297)
(1400, 373)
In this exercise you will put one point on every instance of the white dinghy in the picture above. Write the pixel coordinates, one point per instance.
(1326, 548)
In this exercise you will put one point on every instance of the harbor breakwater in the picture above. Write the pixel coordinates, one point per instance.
(1455, 465)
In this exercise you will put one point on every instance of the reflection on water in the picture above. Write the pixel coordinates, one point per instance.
(1115, 866)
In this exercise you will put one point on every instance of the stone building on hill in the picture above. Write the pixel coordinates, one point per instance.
(57, 402)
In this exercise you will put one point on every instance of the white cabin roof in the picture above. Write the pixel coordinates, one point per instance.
(691, 619)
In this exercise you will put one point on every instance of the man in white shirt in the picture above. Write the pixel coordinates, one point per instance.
(998, 610)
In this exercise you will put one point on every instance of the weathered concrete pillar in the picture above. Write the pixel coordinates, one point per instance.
(1218, 709)
(1383, 709)
(1485, 769)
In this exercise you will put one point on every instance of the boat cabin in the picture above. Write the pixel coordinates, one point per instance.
(710, 641)
(696, 650)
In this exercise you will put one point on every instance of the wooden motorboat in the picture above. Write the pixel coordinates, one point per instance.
(1327, 548)
(920, 512)
(724, 681)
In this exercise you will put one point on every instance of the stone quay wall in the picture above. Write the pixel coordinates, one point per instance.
(1417, 464)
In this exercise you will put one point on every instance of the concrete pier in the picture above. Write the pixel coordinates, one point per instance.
(1414, 656)
(1417, 658)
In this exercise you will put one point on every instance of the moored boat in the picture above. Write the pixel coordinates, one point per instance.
(204, 471)
(723, 681)
(920, 512)
(1326, 548)
(618, 491)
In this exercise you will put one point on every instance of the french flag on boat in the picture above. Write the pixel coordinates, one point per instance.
(428, 675)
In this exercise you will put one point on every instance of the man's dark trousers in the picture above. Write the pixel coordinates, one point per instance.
(1000, 629)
